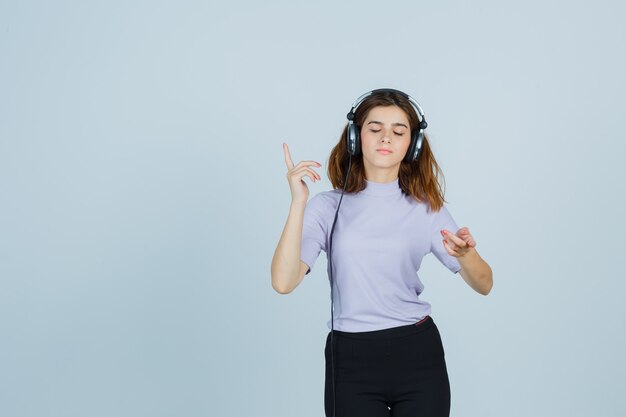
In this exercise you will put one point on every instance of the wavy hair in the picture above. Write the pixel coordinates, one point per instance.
(419, 179)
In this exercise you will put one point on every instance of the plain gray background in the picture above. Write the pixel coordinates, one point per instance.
(143, 193)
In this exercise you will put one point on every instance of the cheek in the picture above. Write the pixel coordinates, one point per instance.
(406, 142)
(368, 137)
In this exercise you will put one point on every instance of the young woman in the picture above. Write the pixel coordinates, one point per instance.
(384, 354)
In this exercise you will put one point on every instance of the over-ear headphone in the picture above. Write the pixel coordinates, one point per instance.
(353, 136)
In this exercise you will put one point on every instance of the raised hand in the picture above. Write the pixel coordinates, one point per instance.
(458, 244)
(296, 174)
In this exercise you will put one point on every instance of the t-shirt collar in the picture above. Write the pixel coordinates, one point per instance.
(382, 188)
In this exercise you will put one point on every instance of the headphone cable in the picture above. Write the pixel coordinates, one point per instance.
(330, 261)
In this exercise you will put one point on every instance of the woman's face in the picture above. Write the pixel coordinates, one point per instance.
(385, 128)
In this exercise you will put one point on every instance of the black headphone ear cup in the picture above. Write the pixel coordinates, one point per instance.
(418, 144)
(415, 147)
(353, 137)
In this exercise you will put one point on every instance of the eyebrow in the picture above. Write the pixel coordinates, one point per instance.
(393, 124)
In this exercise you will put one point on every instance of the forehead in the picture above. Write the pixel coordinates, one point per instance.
(387, 115)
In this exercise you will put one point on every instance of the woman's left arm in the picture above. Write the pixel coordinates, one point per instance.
(474, 270)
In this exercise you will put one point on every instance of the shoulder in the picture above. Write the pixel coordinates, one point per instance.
(321, 207)
(325, 200)
(437, 216)
(429, 208)
(426, 208)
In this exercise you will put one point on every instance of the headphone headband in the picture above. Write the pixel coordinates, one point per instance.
(414, 102)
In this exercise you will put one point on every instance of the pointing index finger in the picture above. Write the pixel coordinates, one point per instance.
(288, 160)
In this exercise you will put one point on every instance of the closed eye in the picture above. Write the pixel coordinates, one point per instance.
(376, 131)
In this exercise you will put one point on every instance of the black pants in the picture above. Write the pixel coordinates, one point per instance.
(398, 372)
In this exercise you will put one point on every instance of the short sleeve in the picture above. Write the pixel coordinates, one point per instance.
(443, 220)
(314, 229)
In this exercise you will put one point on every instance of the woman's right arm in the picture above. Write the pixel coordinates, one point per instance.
(287, 268)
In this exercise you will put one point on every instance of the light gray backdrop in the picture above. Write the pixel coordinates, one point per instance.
(143, 191)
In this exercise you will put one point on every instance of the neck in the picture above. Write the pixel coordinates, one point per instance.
(382, 189)
(381, 175)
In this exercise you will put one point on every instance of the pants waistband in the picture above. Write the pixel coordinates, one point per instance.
(392, 332)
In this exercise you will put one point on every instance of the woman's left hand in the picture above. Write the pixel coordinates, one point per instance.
(459, 244)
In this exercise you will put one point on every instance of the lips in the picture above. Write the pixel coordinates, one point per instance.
(383, 151)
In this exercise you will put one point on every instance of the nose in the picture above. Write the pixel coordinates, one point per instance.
(385, 137)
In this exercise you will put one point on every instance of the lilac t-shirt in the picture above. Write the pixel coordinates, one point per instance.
(380, 238)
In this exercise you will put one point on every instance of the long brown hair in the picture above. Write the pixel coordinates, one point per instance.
(419, 179)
